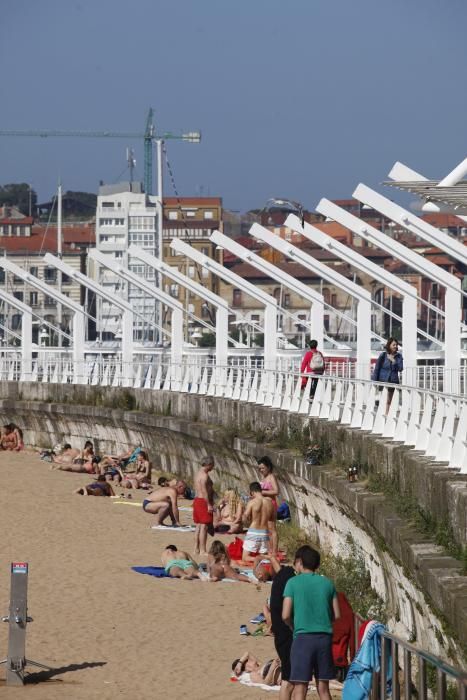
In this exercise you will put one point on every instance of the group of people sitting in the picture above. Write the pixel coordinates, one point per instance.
(130, 469)
(11, 438)
(180, 564)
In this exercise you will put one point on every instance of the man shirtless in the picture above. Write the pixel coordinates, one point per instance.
(179, 564)
(163, 503)
(260, 510)
(203, 505)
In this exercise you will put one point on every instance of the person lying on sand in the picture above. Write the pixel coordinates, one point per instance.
(219, 566)
(179, 564)
(163, 503)
(268, 673)
(100, 487)
(79, 461)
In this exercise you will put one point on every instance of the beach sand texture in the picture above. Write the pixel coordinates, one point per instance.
(107, 631)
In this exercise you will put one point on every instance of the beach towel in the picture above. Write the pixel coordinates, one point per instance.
(244, 679)
(127, 503)
(183, 528)
(157, 571)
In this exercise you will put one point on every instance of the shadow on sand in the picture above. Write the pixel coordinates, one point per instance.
(42, 676)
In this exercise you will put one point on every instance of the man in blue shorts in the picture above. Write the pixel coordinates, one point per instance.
(309, 607)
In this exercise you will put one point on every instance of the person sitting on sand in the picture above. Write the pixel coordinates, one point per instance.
(163, 503)
(219, 566)
(179, 564)
(12, 438)
(100, 487)
(141, 477)
(229, 513)
(268, 673)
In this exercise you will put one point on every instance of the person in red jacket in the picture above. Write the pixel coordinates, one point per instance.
(343, 637)
(312, 363)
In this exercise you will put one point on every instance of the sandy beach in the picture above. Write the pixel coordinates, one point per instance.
(106, 631)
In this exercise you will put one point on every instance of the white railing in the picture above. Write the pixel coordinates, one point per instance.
(431, 422)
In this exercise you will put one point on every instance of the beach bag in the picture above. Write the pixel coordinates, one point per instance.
(283, 512)
(317, 363)
(235, 548)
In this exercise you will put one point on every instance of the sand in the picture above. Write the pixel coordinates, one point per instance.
(106, 631)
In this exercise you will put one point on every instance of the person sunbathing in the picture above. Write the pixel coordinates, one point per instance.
(219, 566)
(179, 564)
(100, 487)
(163, 503)
(141, 477)
(83, 462)
(229, 513)
(268, 673)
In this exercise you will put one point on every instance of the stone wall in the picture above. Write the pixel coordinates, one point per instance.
(407, 570)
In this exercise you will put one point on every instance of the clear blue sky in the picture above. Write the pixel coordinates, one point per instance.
(298, 99)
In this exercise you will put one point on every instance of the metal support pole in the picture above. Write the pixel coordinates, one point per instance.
(18, 618)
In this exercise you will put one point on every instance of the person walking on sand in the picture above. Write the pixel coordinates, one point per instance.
(260, 510)
(163, 503)
(203, 505)
(309, 607)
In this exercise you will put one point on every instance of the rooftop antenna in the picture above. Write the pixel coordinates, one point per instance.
(131, 161)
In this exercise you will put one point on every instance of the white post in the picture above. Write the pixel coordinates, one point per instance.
(59, 253)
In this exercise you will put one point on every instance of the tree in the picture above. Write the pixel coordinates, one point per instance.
(19, 195)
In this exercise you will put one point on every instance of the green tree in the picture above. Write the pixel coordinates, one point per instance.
(19, 195)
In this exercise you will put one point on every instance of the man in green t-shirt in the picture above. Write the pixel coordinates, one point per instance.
(309, 608)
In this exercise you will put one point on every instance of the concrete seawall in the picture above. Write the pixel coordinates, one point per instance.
(424, 587)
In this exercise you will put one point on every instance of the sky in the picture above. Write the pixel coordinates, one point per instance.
(300, 99)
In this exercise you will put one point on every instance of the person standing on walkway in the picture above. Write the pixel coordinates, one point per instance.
(309, 607)
(388, 367)
(312, 363)
(203, 505)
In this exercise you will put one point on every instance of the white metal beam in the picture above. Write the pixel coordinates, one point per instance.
(408, 293)
(127, 310)
(222, 315)
(26, 330)
(316, 299)
(269, 302)
(78, 324)
(362, 296)
(109, 262)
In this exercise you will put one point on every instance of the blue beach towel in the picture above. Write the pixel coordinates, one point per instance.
(157, 571)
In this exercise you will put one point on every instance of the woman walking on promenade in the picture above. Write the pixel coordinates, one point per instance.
(388, 367)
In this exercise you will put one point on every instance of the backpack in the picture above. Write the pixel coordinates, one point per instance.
(317, 363)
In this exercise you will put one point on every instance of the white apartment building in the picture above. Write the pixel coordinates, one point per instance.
(125, 216)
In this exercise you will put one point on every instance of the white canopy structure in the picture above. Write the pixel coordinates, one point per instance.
(362, 296)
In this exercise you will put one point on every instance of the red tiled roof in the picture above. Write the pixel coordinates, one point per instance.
(23, 221)
(192, 201)
(44, 240)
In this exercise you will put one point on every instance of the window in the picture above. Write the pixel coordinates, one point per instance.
(17, 280)
(208, 215)
(34, 271)
(237, 297)
(119, 254)
(190, 213)
(334, 300)
(255, 318)
(65, 279)
(105, 222)
(15, 321)
(173, 215)
(286, 301)
(119, 222)
(49, 301)
(191, 271)
(50, 274)
(107, 205)
(2, 276)
(144, 240)
(142, 223)
(434, 291)
(174, 290)
(33, 299)
(18, 295)
(205, 251)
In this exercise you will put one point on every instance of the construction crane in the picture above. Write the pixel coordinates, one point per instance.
(149, 135)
